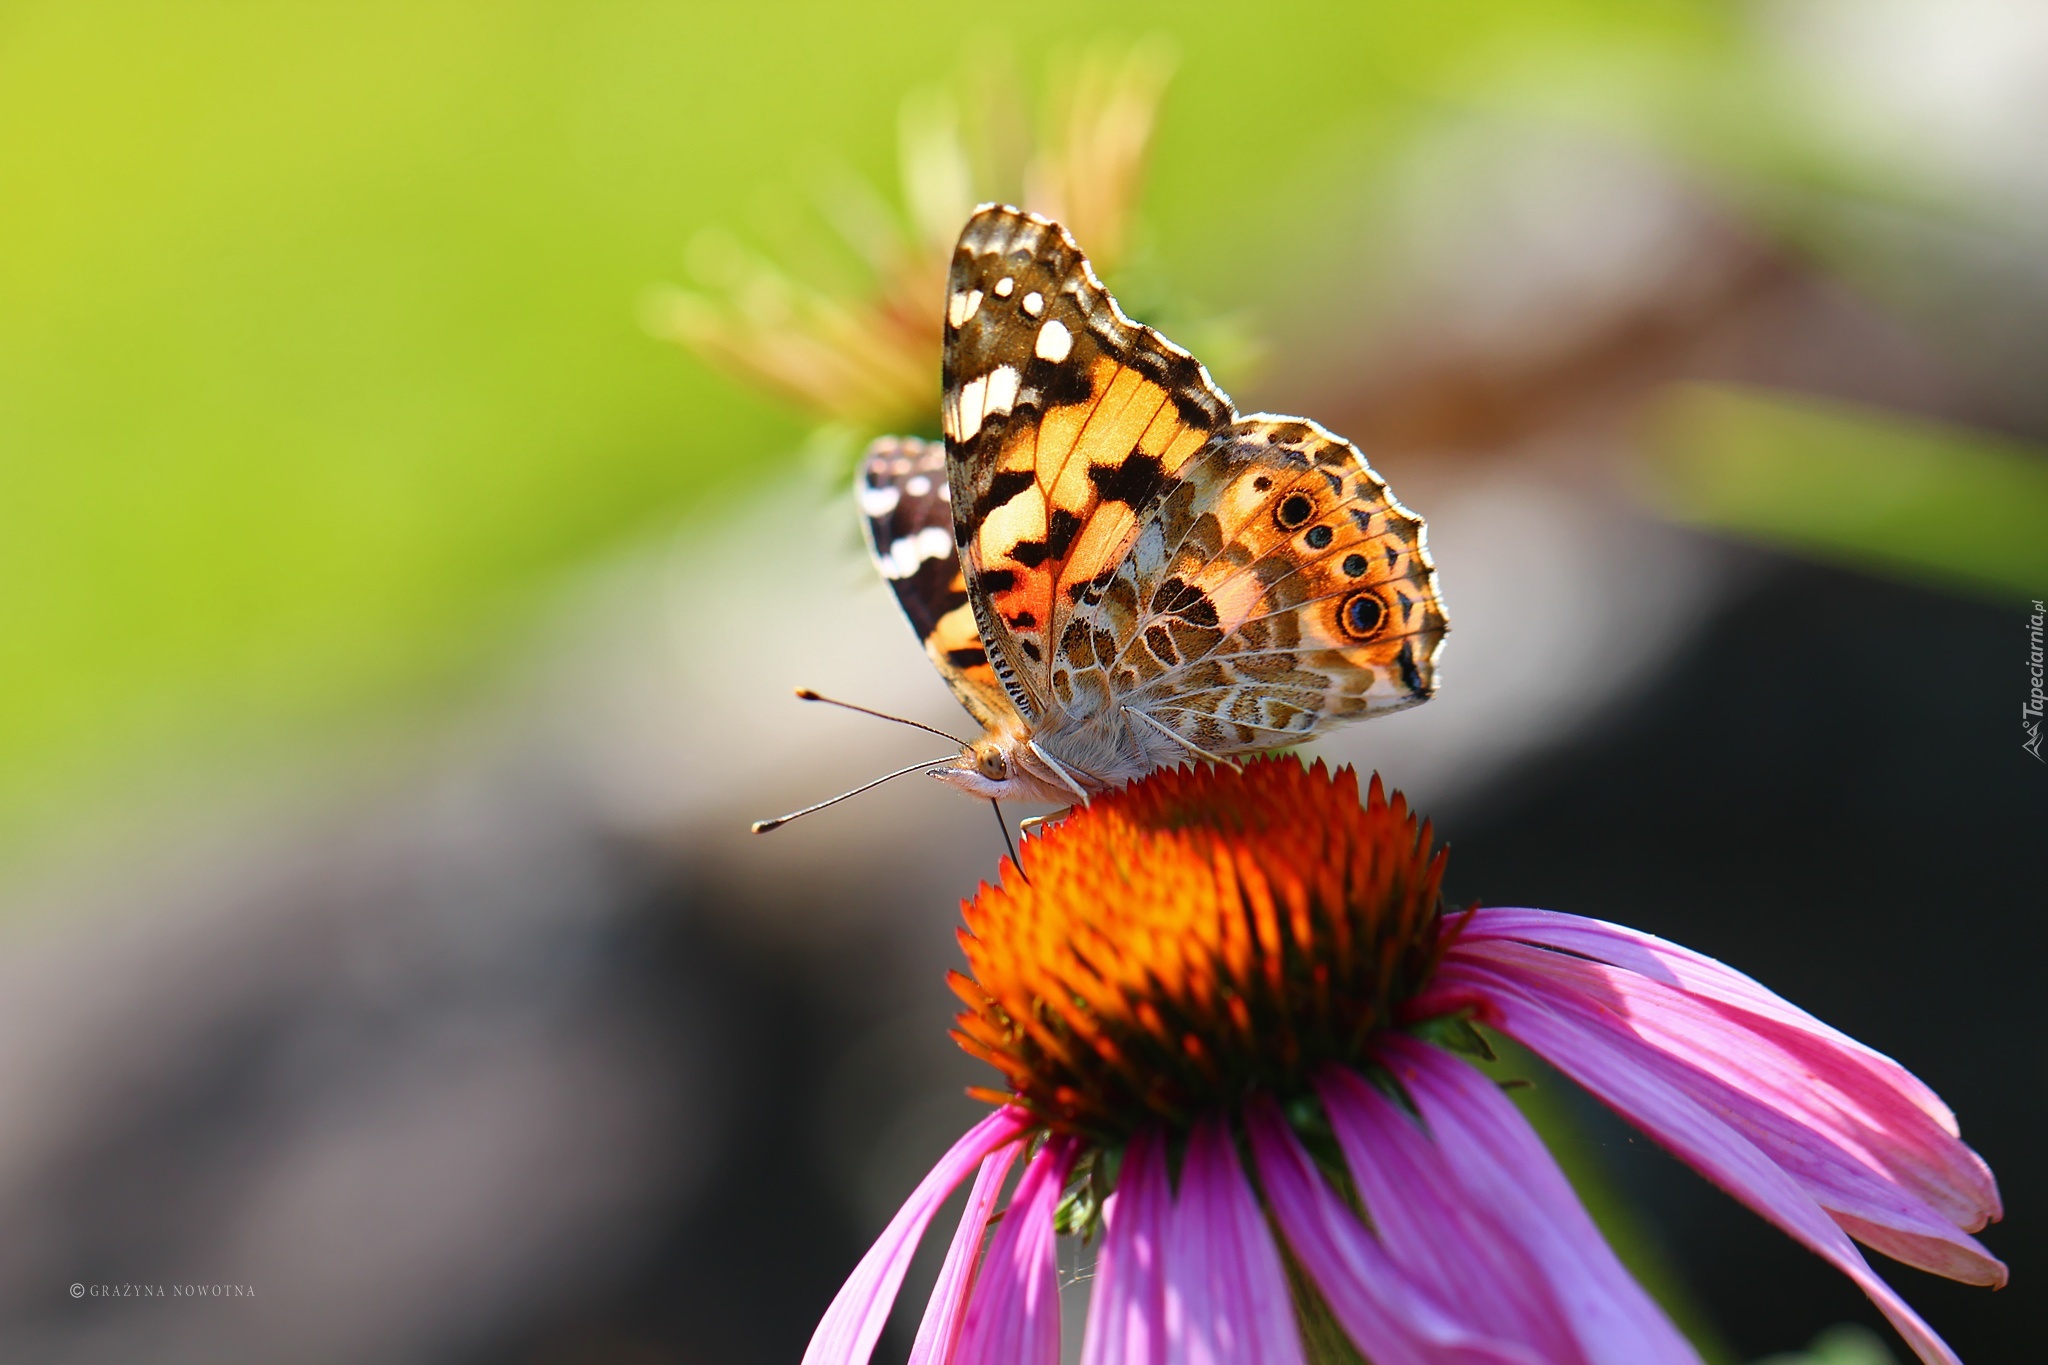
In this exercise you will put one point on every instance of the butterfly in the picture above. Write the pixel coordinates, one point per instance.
(1111, 568)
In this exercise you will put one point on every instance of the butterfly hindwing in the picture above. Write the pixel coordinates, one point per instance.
(1278, 590)
(1064, 420)
(908, 516)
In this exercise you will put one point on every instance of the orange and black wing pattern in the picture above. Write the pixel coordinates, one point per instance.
(1064, 422)
(1152, 576)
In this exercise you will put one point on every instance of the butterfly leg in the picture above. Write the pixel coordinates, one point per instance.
(1060, 771)
(1032, 822)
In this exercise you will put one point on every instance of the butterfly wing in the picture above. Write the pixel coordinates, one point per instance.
(1130, 546)
(1064, 420)
(1278, 589)
(907, 513)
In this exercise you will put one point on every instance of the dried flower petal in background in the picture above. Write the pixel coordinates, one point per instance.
(871, 361)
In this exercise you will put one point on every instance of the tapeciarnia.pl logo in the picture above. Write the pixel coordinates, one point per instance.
(2030, 712)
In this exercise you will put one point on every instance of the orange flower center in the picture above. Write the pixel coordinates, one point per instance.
(1196, 937)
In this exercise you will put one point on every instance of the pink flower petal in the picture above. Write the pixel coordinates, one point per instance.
(1227, 1301)
(1898, 1099)
(846, 1334)
(1013, 1316)
(1390, 1317)
(1127, 1309)
(1503, 1166)
(1615, 1072)
(1430, 1228)
(1825, 1139)
(940, 1329)
(1869, 1100)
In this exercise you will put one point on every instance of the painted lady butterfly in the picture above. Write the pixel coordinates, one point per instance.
(1113, 570)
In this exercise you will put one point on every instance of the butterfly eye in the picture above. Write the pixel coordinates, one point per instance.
(1294, 510)
(992, 765)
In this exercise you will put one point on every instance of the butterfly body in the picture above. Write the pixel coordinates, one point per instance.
(1112, 569)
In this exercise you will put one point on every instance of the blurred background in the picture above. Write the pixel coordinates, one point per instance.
(424, 442)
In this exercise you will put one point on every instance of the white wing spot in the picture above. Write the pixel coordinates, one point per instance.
(968, 400)
(1034, 303)
(917, 485)
(1002, 391)
(991, 395)
(878, 502)
(906, 554)
(963, 306)
(1054, 341)
(1004, 286)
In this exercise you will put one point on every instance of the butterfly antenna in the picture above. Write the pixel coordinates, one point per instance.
(1004, 826)
(806, 694)
(763, 826)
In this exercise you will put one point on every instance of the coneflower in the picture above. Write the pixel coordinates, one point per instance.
(1228, 1012)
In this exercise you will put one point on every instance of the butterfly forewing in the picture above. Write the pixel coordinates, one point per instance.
(908, 516)
(1064, 421)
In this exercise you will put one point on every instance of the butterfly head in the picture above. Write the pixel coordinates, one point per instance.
(1003, 766)
(987, 768)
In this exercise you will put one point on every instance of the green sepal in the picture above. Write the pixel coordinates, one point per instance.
(1093, 1180)
(1455, 1033)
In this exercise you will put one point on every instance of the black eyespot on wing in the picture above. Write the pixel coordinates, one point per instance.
(1362, 615)
(1261, 484)
(1319, 537)
(993, 581)
(964, 659)
(1294, 511)
(1354, 565)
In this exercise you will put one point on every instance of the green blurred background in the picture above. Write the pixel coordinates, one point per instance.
(324, 378)
(318, 339)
